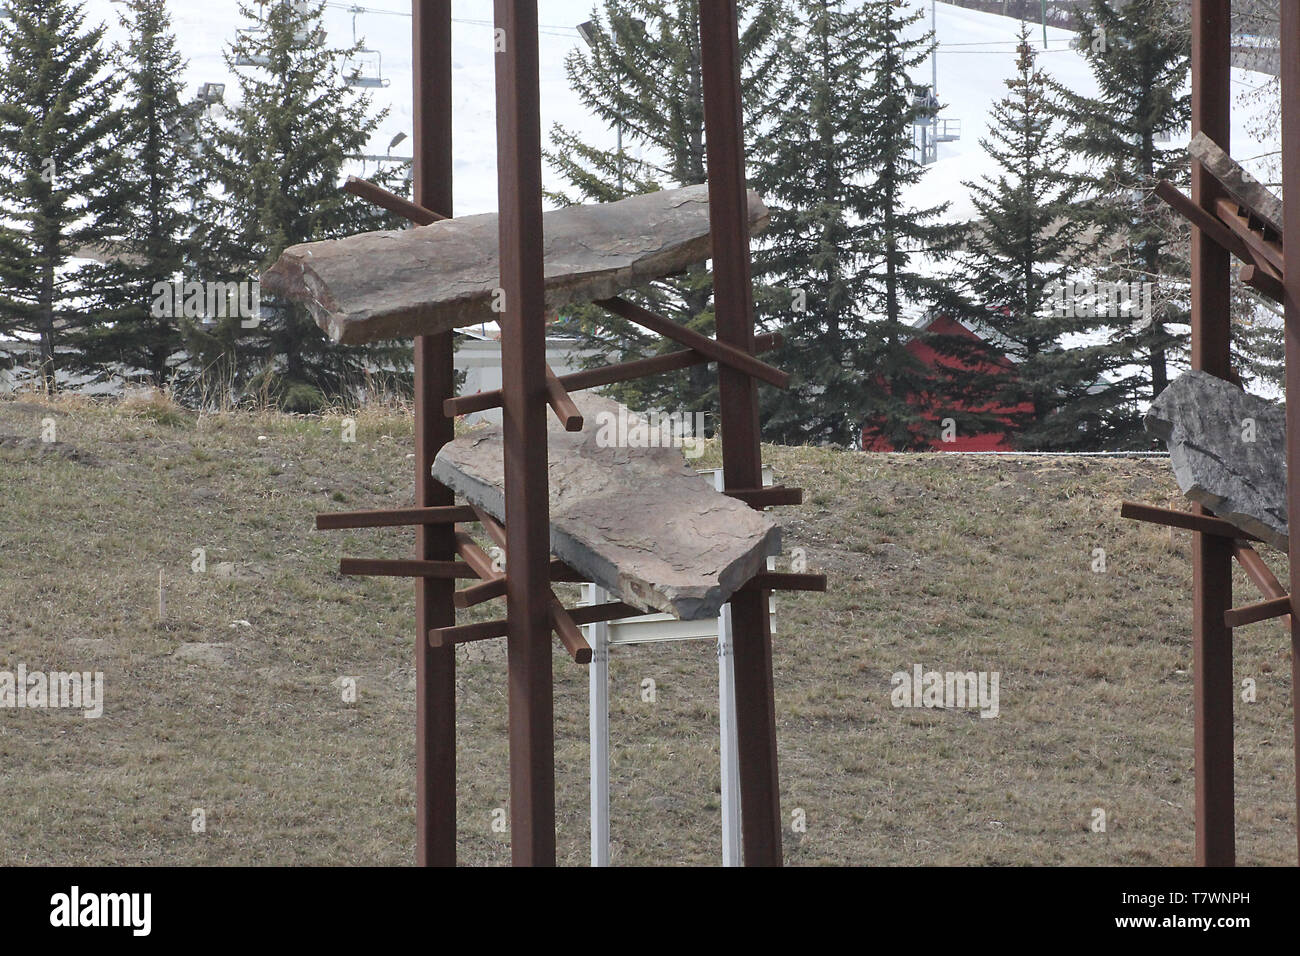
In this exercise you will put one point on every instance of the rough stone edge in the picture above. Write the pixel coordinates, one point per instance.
(687, 607)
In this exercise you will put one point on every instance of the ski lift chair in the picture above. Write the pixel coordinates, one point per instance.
(365, 69)
(242, 55)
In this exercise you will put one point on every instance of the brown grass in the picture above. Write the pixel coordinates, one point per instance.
(955, 563)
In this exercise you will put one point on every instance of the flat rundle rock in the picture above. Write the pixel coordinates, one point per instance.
(639, 522)
(1228, 451)
(385, 285)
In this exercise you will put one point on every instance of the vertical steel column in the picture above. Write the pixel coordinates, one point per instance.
(1212, 556)
(435, 668)
(523, 378)
(1290, 39)
(733, 293)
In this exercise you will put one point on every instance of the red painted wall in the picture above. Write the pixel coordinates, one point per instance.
(993, 441)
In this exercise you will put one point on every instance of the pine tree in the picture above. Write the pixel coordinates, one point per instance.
(162, 181)
(278, 159)
(61, 172)
(641, 73)
(900, 385)
(814, 165)
(1025, 246)
(1141, 70)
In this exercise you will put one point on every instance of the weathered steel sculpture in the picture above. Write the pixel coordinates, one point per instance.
(1235, 216)
(425, 282)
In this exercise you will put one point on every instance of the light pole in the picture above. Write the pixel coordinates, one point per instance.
(587, 30)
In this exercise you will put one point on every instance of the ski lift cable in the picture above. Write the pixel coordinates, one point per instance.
(549, 28)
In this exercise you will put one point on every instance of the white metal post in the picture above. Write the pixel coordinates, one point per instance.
(648, 629)
(598, 710)
(728, 744)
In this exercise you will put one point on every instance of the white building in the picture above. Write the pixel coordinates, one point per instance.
(479, 357)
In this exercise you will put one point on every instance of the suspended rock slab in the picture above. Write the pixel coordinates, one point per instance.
(1228, 451)
(639, 522)
(387, 285)
(1241, 185)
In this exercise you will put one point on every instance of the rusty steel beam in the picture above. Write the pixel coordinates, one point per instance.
(1262, 281)
(1290, 38)
(466, 633)
(1259, 611)
(477, 594)
(488, 590)
(378, 196)
(1259, 572)
(605, 375)
(558, 398)
(767, 497)
(393, 517)
(487, 630)
(476, 557)
(1190, 521)
(567, 631)
(494, 528)
(1207, 222)
(719, 352)
(439, 570)
(1260, 248)
(733, 295)
(1257, 272)
(1211, 554)
(784, 581)
(523, 376)
(435, 380)
(562, 624)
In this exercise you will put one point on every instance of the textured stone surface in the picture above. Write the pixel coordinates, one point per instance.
(638, 521)
(383, 285)
(1204, 421)
(1243, 187)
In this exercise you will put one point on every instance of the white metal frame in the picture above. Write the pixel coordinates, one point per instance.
(652, 628)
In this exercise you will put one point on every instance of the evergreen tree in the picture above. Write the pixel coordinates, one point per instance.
(278, 159)
(640, 72)
(900, 237)
(1025, 246)
(1141, 70)
(61, 172)
(162, 185)
(814, 165)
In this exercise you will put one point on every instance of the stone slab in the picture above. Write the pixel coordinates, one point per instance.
(639, 522)
(420, 281)
(1228, 451)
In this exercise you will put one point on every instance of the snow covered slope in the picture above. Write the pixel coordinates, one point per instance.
(976, 56)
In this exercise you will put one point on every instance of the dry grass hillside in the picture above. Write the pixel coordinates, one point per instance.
(230, 702)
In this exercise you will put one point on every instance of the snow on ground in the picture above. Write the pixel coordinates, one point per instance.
(206, 27)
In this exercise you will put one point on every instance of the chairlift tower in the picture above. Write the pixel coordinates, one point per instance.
(928, 130)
